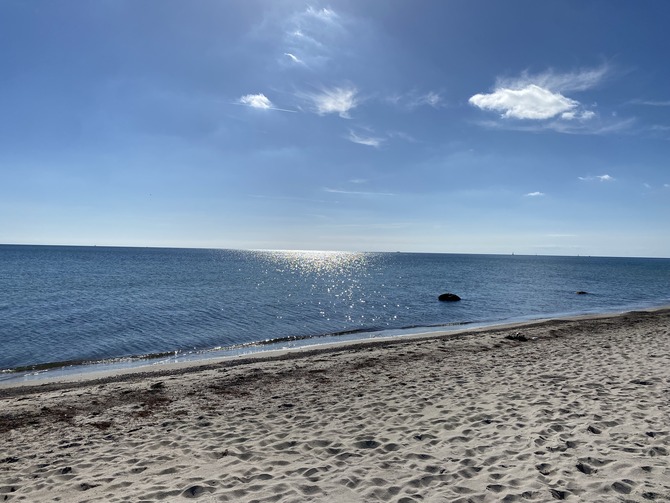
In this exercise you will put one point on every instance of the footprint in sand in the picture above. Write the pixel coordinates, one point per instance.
(196, 491)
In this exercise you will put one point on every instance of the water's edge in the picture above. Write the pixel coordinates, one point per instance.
(82, 369)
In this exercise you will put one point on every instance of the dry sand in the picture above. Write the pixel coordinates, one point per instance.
(579, 412)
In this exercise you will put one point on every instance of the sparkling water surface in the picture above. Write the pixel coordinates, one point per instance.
(83, 304)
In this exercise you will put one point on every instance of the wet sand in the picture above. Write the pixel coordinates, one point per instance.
(575, 410)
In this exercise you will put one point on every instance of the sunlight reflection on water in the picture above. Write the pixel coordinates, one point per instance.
(315, 262)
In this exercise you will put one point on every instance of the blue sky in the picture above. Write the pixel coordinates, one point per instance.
(438, 126)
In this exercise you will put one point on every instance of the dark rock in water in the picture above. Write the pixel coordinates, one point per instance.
(448, 297)
(581, 292)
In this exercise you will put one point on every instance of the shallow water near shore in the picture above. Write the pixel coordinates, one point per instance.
(68, 306)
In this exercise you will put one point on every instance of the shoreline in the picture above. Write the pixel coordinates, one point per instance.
(572, 409)
(251, 352)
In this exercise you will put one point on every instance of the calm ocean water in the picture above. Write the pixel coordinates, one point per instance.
(83, 304)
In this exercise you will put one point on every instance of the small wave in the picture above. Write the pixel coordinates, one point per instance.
(439, 325)
(43, 367)
(180, 354)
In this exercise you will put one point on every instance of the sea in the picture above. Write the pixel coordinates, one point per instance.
(71, 309)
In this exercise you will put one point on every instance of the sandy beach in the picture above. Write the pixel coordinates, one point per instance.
(575, 410)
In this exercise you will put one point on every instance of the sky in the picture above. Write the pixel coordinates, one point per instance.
(456, 126)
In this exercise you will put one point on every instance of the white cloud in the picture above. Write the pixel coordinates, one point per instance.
(535, 194)
(256, 101)
(602, 178)
(531, 102)
(338, 100)
(363, 140)
(541, 96)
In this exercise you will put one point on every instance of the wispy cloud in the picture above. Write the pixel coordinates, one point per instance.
(580, 80)
(413, 100)
(357, 192)
(312, 36)
(601, 178)
(594, 126)
(652, 103)
(535, 194)
(431, 99)
(323, 14)
(540, 97)
(402, 136)
(338, 100)
(287, 198)
(260, 102)
(293, 58)
(365, 140)
(299, 38)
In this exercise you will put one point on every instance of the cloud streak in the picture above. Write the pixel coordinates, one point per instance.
(323, 14)
(260, 102)
(294, 58)
(357, 193)
(596, 126)
(652, 103)
(581, 80)
(365, 140)
(601, 178)
(413, 100)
